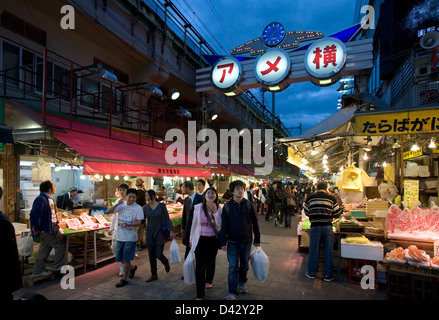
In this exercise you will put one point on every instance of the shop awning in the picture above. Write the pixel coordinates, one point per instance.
(115, 157)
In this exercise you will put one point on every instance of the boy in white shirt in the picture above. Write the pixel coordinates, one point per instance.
(129, 216)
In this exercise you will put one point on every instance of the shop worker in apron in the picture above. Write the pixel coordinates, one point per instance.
(44, 224)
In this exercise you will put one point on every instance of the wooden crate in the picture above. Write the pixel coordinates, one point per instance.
(30, 280)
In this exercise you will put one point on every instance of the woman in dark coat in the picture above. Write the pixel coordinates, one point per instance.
(156, 216)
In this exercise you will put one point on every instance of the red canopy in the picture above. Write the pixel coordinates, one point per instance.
(115, 157)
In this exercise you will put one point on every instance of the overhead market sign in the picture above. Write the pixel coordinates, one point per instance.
(421, 121)
(267, 61)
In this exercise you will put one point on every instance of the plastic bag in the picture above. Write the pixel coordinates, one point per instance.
(189, 268)
(41, 171)
(174, 252)
(260, 263)
(25, 244)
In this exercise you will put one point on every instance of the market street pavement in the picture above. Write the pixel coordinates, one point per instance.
(286, 279)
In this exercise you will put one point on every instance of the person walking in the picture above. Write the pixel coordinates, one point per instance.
(262, 194)
(9, 260)
(321, 208)
(44, 224)
(238, 220)
(121, 193)
(289, 205)
(129, 216)
(157, 217)
(205, 229)
(279, 208)
(191, 200)
(269, 200)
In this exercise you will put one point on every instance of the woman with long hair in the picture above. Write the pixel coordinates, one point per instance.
(204, 239)
(290, 206)
(157, 216)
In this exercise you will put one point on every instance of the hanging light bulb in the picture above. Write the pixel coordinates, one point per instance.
(414, 147)
(325, 156)
(432, 144)
(365, 157)
(341, 168)
(116, 178)
(107, 176)
(324, 161)
(313, 153)
(396, 145)
(126, 178)
(384, 164)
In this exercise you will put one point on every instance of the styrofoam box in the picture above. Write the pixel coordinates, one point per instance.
(373, 251)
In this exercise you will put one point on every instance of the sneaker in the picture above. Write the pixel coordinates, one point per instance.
(208, 285)
(328, 278)
(275, 222)
(242, 288)
(311, 276)
(42, 274)
(231, 296)
(132, 272)
(122, 283)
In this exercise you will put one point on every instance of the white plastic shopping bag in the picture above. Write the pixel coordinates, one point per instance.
(174, 252)
(25, 244)
(189, 268)
(260, 263)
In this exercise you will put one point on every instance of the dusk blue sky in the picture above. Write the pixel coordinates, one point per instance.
(244, 20)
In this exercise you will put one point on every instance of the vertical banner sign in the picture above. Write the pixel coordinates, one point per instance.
(226, 74)
(324, 60)
(272, 67)
(411, 192)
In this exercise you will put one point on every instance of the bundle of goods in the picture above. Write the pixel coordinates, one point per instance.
(175, 208)
(417, 221)
(416, 257)
(396, 256)
(413, 256)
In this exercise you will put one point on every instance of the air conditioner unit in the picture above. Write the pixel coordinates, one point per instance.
(422, 73)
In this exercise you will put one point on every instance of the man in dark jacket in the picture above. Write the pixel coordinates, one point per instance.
(269, 200)
(67, 200)
(9, 261)
(238, 220)
(190, 201)
(44, 224)
(321, 208)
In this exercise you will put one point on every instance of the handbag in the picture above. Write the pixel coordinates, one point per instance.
(214, 230)
(291, 202)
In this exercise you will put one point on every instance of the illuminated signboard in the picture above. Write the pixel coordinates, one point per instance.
(324, 60)
(272, 67)
(226, 74)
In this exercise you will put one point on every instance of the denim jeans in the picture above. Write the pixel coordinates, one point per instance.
(325, 235)
(237, 254)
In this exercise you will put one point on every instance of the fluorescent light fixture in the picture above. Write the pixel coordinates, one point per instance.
(230, 94)
(104, 73)
(323, 82)
(274, 88)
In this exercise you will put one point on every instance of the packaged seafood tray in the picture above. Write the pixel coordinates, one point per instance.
(373, 251)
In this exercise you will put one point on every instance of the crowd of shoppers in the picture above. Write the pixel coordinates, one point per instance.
(206, 227)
